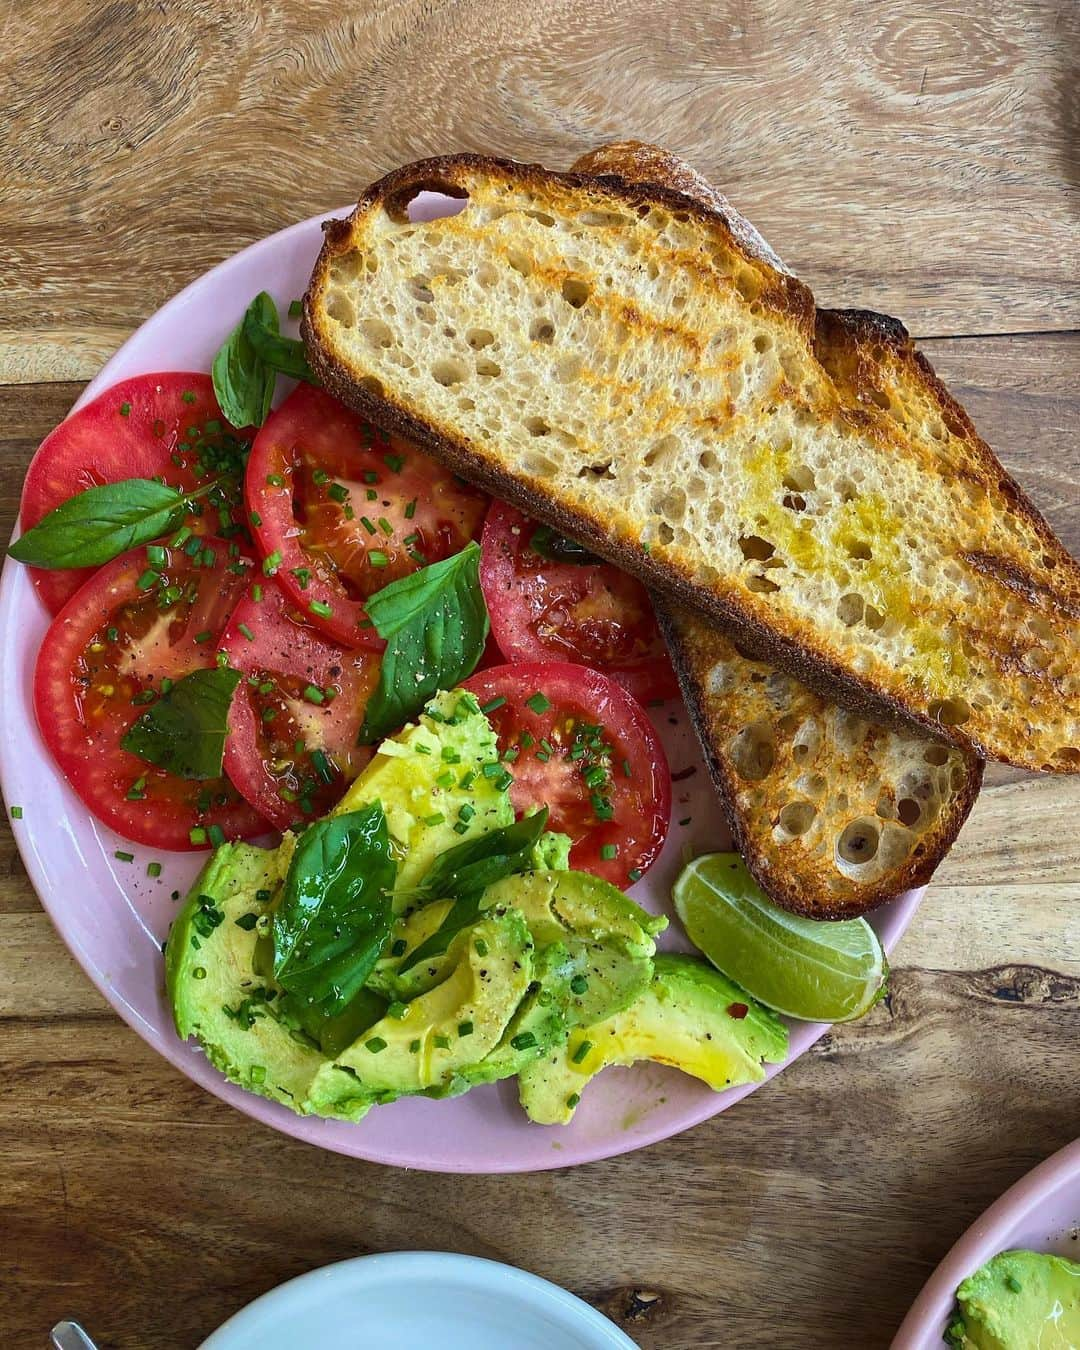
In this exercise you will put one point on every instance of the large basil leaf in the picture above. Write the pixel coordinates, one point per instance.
(463, 873)
(334, 917)
(184, 731)
(243, 380)
(435, 624)
(280, 353)
(99, 524)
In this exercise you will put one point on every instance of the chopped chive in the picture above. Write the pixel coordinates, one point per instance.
(481, 947)
(417, 557)
(573, 1100)
(449, 755)
(437, 819)
(608, 851)
(112, 634)
(375, 1045)
(246, 631)
(314, 694)
(268, 714)
(121, 856)
(322, 765)
(465, 1029)
(634, 874)
(188, 395)
(149, 578)
(542, 756)
(467, 780)
(247, 921)
(410, 509)
(16, 813)
(125, 409)
(414, 1047)
(256, 592)
(442, 1042)
(182, 535)
(255, 519)
(371, 477)
(394, 462)
(212, 427)
(377, 558)
(257, 1073)
(274, 480)
(197, 835)
(368, 524)
(271, 563)
(199, 973)
(538, 703)
(321, 608)
(467, 811)
(580, 1053)
(193, 546)
(398, 1011)
(445, 779)
(578, 984)
(627, 771)
(217, 835)
(338, 492)
(524, 1040)
(398, 947)
(296, 308)
(460, 827)
(156, 555)
(204, 636)
(385, 525)
(371, 495)
(527, 740)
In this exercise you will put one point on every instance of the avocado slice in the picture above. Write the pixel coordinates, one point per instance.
(690, 1016)
(1018, 1300)
(453, 1025)
(211, 980)
(424, 775)
(608, 940)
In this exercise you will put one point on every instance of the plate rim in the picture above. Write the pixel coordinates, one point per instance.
(192, 1064)
(982, 1240)
(421, 1262)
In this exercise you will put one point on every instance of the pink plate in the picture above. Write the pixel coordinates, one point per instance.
(1040, 1213)
(114, 917)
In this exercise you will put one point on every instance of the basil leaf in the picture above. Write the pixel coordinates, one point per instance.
(279, 353)
(184, 731)
(466, 871)
(558, 548)
(99, 524)
(334, 917)
(464, 911)
(435, 624)
(243, 381)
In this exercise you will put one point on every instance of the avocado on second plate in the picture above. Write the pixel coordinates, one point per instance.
(690, 1016)
(1018, 1300)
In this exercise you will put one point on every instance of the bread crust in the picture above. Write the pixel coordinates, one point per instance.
(798, 650)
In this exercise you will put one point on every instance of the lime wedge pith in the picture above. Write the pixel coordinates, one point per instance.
(811, 969)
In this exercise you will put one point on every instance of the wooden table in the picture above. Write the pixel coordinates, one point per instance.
(917, 157)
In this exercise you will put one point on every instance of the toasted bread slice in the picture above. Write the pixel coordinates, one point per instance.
(619, 361)
(834, 813)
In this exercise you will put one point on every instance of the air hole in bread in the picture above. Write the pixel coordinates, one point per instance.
(762, 342)
(858, 548)
(850, 609)
(909, 812)
(1066, 756)
(652, 269)
(761, 585)
(859, 841)
(846, 490)
(794, 501)
(371, 385)
(1049, 561)
(449, 371)
(466, 404)
(569, 367)
(421, 289)
(800, 478)
(611, 220)
(788, 724)
(885, 808)
(404, 207)
(536, 426)
(479, 338)
(596, 470)
(340, 307)
(873, 618)
(541, 217)
(661, 450)
(542, 330)
(378, 332)
(950, 712)
(707, 460)
(881, 399)
(756, 548)
(748, 284)
(936, 754)
(797, 817)
(664, 534)
(520, 262)
(575, 292)
(535, 461)
(486, 366)
(752, 751)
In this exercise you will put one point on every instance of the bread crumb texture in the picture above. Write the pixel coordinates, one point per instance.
(629, 364)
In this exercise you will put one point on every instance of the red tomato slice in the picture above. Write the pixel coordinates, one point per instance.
(302, 690)
(339, 510)
(105, 656)
(579, 744)
(589, 613)
(150, 426)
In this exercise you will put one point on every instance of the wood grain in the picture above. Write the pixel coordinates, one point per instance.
(911, 158)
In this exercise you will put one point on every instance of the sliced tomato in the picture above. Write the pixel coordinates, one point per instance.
(339, 509)
(577, 743)
(106, 656)
(548, 609)
(294, 721)
(166, 426)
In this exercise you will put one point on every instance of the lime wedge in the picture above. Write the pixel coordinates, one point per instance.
(812, 969)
